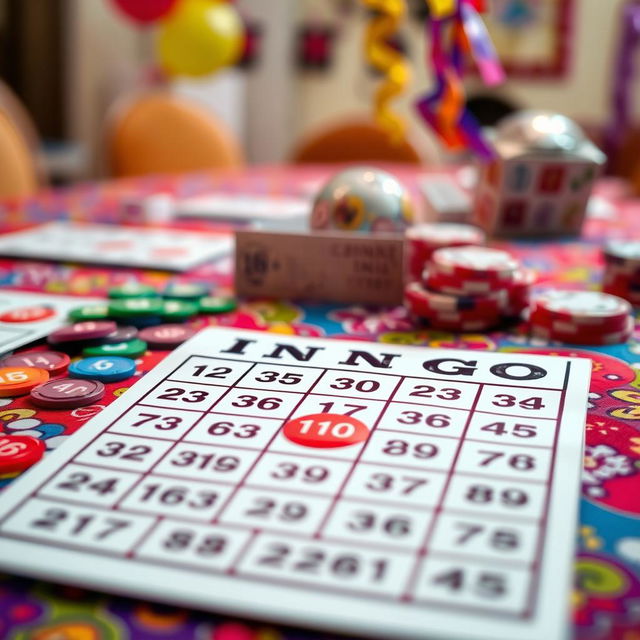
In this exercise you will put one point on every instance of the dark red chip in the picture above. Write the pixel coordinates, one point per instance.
(19, 452)
(67, 393)
(83, 331)
(121, 334)
(53, 361)
(166, 336)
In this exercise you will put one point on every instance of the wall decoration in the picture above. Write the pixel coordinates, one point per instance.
(533, 37)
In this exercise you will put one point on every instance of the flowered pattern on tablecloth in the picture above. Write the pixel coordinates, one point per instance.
(606, 597)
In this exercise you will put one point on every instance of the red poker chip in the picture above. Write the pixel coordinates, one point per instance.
(19, 452)
(166, 336)
(623, 252)
(543, 318)
(631, 296)
(468, 326)
(420, 301)
(475, 263)
(423, 239)
(583, 307)
(455, 286)
(67, 393)
(82, 331)
(587, 337)
(493, 302)
(28, 314)
(54, 362)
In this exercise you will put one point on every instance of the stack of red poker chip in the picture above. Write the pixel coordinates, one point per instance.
(581, 317)
(469, 289)
(622, 271)
(424, 239)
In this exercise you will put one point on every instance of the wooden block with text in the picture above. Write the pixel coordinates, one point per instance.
(321, 266)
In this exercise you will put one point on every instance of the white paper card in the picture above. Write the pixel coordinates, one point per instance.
(452, 515)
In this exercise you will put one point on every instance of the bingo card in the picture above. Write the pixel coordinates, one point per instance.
(144, 247)
(388, 491)
(26, 317)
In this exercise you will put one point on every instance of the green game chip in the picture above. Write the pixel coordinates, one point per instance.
(136, 307)
(133, 290)
(178, 310)
(186, 291)
(89, 312)
(130, 349)
(217, 305)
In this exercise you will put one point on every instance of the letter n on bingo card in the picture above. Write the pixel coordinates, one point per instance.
(381, 490)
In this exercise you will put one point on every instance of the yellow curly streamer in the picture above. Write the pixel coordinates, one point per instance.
(389, 14)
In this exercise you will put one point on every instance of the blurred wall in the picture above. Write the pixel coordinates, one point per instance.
(270, 106)
(348, 87)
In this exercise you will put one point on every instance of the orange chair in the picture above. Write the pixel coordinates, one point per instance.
(161, 133)
(354, 140)
(18, 171)
(20, 116)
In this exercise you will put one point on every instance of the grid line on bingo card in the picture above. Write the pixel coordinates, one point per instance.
(180, 440)
(422, 550)
(264, 450)
(338, 494)
(535, 579)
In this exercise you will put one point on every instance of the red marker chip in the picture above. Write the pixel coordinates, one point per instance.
(67, 393)
(19, 452)
(166, 336)
(325, 431)
(52, 361)
(83, 331)
(27, 314)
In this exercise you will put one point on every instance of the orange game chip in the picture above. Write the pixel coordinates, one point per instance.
(18, 381)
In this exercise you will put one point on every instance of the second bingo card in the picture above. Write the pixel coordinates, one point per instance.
(388, 491)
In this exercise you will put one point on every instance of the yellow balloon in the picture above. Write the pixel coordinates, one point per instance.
(200, 37)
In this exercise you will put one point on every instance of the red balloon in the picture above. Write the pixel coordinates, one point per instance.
(145, 11)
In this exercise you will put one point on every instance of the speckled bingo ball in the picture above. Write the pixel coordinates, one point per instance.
(363, 199)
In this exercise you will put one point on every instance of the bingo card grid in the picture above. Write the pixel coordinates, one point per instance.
(431, 521)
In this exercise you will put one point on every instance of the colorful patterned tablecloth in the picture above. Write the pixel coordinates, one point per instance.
(606, 596)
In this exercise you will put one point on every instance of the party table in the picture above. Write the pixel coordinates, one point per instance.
(606, 595)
